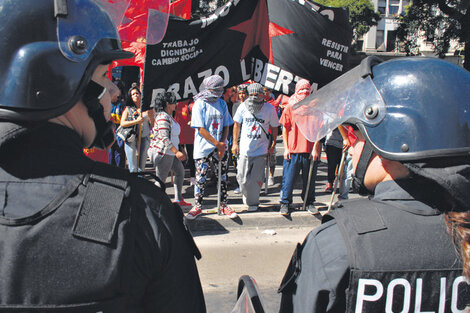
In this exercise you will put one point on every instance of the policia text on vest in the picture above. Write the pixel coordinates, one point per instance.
(423, 291)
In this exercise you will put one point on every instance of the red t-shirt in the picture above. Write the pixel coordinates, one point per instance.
(183, 117)
(351, 135)
(296, 142)
(97, 154)
(280, 101)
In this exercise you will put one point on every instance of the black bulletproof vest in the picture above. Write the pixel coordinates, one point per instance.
(399, 261)
(70, 256)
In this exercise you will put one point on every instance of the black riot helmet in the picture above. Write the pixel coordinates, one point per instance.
(50, 49)
(41, 74)
(408, 109)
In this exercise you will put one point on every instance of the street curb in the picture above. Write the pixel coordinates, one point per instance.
(252, 220)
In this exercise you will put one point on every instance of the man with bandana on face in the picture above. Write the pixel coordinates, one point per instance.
(255, 117)
(391, 252)
(297, 155)
(212, 120)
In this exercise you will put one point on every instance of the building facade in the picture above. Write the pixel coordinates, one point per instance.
(383, 37)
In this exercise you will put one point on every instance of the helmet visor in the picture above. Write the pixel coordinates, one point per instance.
(349, 98)
(86, 24)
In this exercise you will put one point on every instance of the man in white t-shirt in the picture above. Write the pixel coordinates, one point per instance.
(258, 118)
(211, 119)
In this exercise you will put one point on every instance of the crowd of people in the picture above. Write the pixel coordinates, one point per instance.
(236, 126)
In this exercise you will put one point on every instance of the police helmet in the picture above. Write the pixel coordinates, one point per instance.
(50, 50)
(408, 109)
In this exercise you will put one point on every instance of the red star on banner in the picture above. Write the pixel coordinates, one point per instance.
(215, 125)
(274, 31)
(256, 30)
(254, 128)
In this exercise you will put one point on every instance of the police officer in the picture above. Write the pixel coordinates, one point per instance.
(75, 235)
(390, 252)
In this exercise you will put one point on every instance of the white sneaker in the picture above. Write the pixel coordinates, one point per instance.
(270, 181)
(237, 191)
(252, 208)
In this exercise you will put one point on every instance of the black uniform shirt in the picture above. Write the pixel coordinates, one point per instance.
(324, 268)
(35, 165)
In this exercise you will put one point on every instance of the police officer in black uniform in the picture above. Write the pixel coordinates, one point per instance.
(76, 235)
(390, 252)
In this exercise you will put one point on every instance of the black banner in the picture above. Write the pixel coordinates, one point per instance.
(308, 41)
(240, 41)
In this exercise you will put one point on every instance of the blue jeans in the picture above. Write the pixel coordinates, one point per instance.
(131, 154)
(290, 173)
(117, 155)
(345, 183)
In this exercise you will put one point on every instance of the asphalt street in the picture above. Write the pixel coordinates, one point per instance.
(261, 254)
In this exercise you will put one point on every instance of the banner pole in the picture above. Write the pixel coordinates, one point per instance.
(337, 179)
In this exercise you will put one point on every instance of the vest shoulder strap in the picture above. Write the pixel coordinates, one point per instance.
(364, 218)
(379, 233)
(106, 188)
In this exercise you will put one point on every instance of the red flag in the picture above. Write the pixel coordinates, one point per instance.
(138, 48)
(181, 8)
(134, 30)
(135, 24)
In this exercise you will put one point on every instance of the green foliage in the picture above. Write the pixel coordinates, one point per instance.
(361, 14)
(206, 7)
(440, 21)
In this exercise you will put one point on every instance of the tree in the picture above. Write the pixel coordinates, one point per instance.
(361, 15)
(205, 7)
(439, 21)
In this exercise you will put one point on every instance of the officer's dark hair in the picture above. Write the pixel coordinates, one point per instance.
(458, 226)
(129, 101)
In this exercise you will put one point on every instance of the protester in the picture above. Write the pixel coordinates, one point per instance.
(255, 117)
(391, 252)
(297, 150)
(98, 155)
(349, 138)
(136, 151)
(334, 150)
(211, 119)
(117, 155)
(280, 102)
(78, 235)
(163, 151)
(230, 97)
(183, 117)
(269, 98)
(242, 95)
